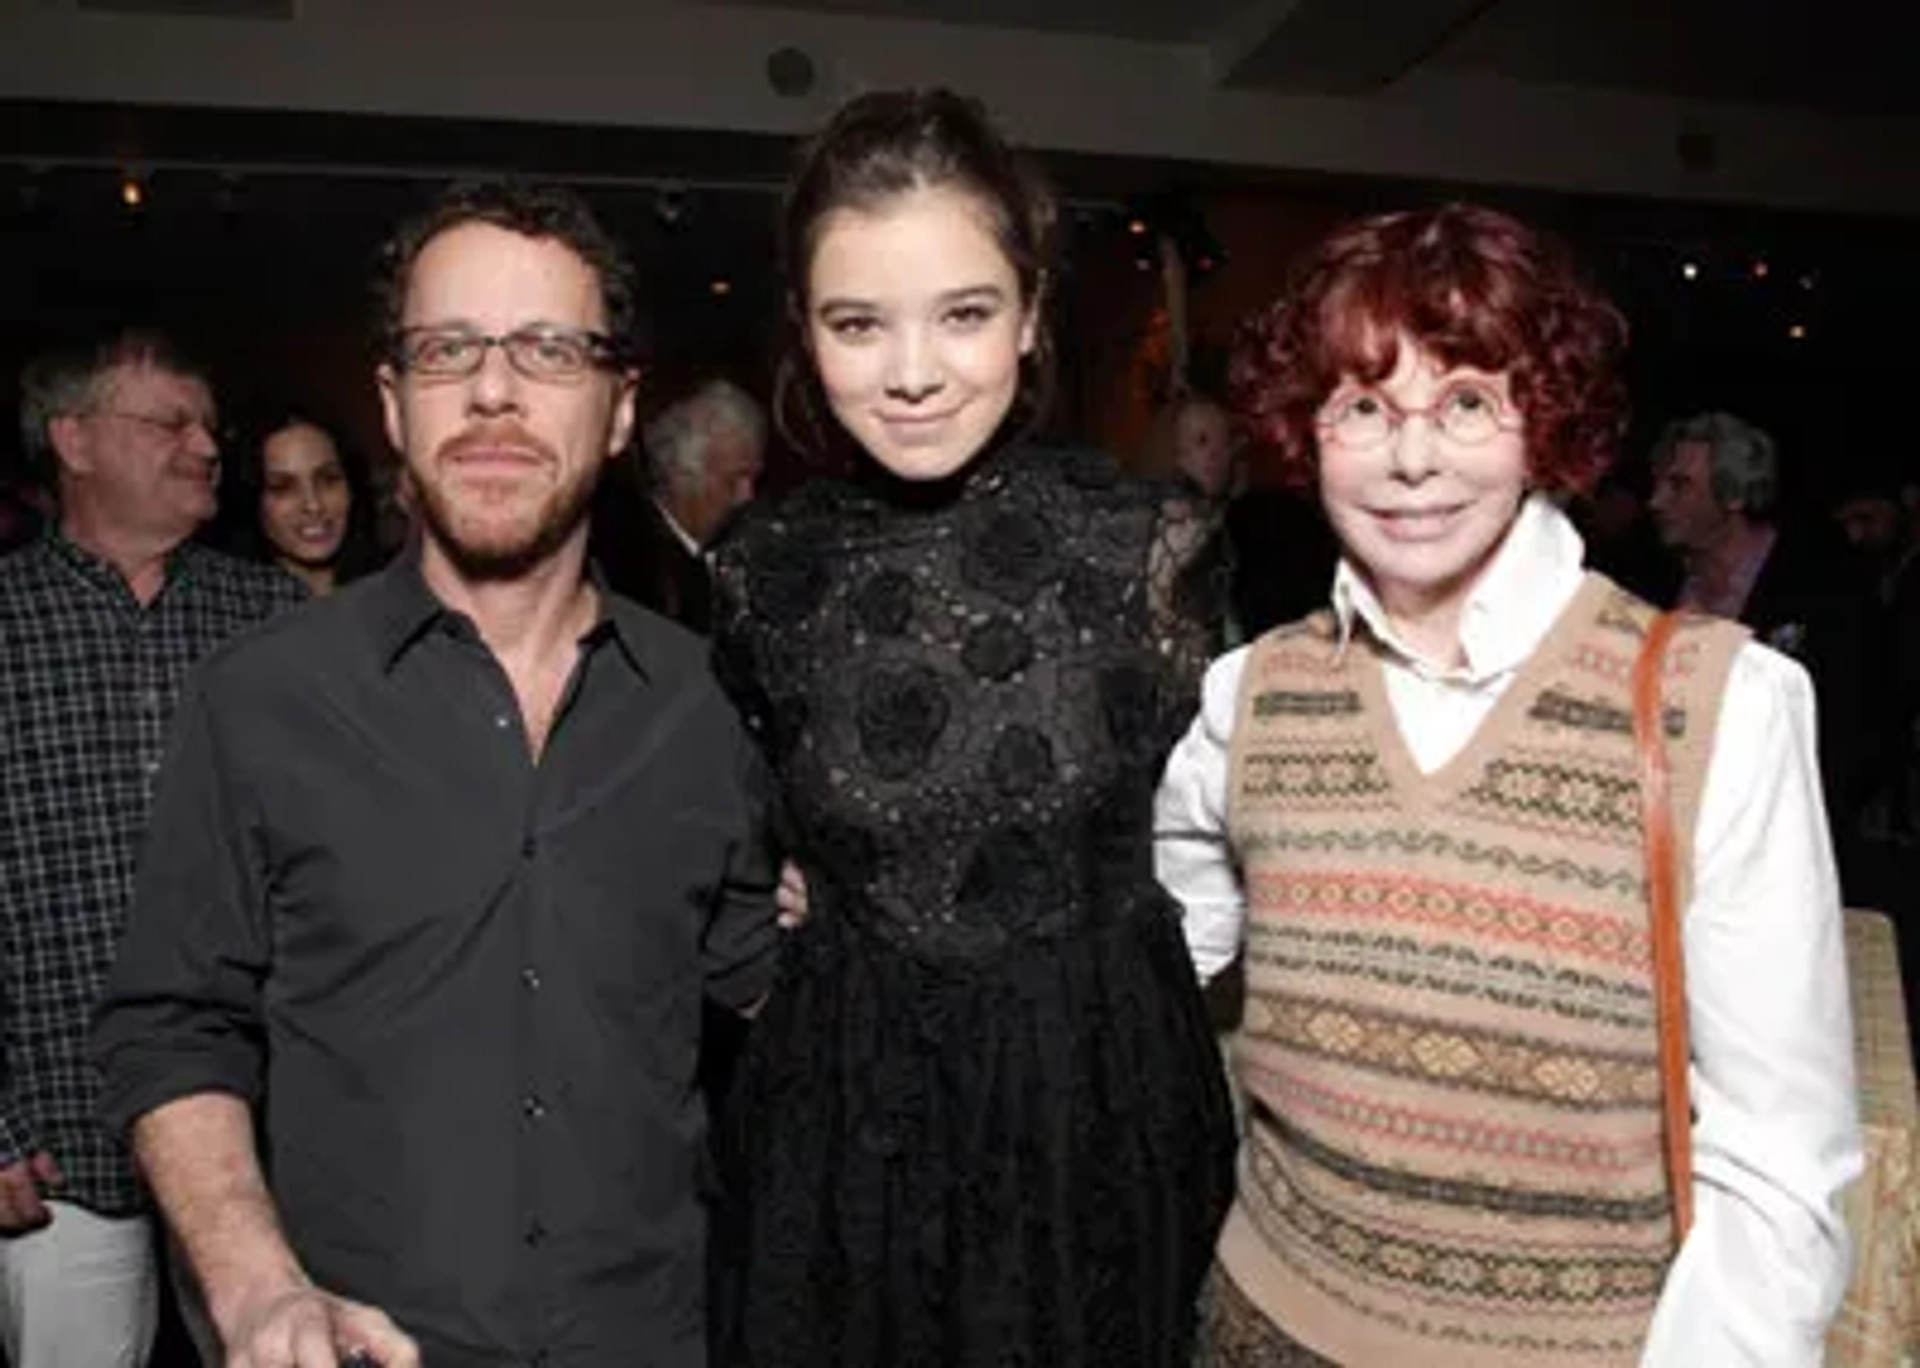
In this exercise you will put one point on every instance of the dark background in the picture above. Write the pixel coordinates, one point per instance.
(256, 233)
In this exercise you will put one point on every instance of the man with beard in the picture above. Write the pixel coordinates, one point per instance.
(439, 872)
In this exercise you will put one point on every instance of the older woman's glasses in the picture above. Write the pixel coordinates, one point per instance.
(539, 353)
(1465, 413)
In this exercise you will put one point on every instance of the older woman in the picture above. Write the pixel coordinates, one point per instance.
(1417, 814)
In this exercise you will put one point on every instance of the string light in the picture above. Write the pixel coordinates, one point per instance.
(1690, 270)
(721, 286)
(1761, 269)
(132, 193)
(1798, 332)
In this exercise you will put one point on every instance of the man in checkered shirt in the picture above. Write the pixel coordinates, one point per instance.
(100, 620)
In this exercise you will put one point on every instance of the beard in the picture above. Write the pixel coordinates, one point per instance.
(505, 541)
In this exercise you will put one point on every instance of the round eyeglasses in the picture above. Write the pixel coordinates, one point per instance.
(1467, 414)
(539, 352)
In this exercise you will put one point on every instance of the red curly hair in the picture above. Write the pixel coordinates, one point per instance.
(1470, 285)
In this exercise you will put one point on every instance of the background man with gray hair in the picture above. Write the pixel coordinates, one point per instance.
(1716, 496)
(703, 456)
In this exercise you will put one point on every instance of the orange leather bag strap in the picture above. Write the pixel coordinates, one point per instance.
(1663, 895)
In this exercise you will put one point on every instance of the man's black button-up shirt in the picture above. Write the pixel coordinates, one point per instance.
(462, 987)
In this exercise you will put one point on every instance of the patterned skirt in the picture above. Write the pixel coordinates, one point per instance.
(1234, 1333)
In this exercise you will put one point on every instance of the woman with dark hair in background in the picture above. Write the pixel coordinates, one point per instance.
(1417, 818)
(297, 499)
(982, 1119)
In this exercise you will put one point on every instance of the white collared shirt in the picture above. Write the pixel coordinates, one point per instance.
(1777, 1133)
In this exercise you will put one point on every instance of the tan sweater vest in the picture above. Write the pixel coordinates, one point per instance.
(1453, 1143)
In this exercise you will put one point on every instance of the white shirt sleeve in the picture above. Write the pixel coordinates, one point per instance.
(1776, 1136)
(1191, 853)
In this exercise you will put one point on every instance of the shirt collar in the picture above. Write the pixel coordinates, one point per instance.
(626, 624)
(1731, 599)
(179, 561)
(402, 610)
(680, 533)
(399, 606)
(1532, 577)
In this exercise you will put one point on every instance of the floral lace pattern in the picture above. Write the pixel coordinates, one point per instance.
(968, 690)
(982, 1119)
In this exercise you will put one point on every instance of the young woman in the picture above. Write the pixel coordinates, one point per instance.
(982, 1119)
(298, 503)
(1417, 816)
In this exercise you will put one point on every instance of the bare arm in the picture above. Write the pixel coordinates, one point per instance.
(198, 1155)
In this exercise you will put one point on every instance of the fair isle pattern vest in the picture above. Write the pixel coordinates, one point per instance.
(1453, 1142)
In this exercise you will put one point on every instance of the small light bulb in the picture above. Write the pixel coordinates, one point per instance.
(721, 286)
(132, 193)
(1690, 270)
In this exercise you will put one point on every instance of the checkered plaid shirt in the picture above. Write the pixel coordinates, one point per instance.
(88, 679)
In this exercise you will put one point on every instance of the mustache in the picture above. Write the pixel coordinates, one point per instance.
(492, 435)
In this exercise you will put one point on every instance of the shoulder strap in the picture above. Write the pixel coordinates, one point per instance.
(1669, 968)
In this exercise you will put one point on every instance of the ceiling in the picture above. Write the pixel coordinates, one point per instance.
(1847, 56)
(1152, 21)
(1803, 104)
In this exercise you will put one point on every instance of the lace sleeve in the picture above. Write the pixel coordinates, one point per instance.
(742, 668)
(736, 662)
(1189, 570)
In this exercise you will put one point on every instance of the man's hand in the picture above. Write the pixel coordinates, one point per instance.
(308, 1328)
(790, 899)
(22, 1206)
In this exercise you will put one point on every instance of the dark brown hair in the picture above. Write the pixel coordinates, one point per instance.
(532, 210)
(886, 144)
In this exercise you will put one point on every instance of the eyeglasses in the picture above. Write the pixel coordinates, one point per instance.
(175, 427)
(539, 352)
(1466, 413)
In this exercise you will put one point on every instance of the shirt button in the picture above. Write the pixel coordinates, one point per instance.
(502, 721)
(532, 1107)
(530, 979)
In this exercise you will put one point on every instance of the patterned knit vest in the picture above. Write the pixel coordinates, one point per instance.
(1453, 1141)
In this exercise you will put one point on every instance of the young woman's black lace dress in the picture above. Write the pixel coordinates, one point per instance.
(982, 1119)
